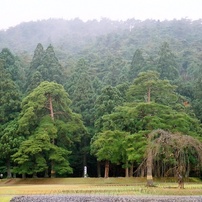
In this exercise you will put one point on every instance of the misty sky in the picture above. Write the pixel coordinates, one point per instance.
(14, 12)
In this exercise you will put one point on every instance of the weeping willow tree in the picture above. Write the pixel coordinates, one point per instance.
(173, 151)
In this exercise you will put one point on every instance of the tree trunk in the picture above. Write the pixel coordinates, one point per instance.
(187, 168)
(53, 141)
(46, 173)
(52, 170)
(8, 165)
(98, 169)
(149, 95)
(131, 170)
(51, 108)
(180, 182)
(149, 169)
(158, 167)
(106, 169)
(126, 170)
(34, 175)
(142, 171)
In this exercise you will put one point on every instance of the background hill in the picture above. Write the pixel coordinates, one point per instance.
(75, 37)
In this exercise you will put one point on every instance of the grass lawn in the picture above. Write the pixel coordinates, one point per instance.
(5, 198)
(97, 186)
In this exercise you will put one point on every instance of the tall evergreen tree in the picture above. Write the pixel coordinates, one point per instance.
(10, 142)
(83, 96)
(149, 87)
(46, 119)
(10, 99)
(14, 66)
(51, 69)
(116, 71)
(37, 58)
(9, 96)
(137, 65)
(167, 66)
(83, 99)
(197, 93)
(105, 104)
(44, 67)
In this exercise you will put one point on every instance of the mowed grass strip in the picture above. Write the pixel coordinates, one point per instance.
(73, 181)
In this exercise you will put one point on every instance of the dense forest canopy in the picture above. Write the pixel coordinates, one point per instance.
(75, 94)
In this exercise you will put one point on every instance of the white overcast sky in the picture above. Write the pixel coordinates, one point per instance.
(13, 12)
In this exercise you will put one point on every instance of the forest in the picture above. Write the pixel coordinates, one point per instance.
(121, 98)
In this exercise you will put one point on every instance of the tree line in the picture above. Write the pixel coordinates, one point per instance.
(118, 117)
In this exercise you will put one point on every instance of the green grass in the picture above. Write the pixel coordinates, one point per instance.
(5, 198)
(97, 186)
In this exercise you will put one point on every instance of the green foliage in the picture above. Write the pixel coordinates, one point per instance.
(135, 145)
(13, 66)
(167, 66)
(44, 67)
(83, 96)
(40, 128)
(119, 146)
(113, 54)
(9, 139)
(137, 65)
(60, 158)
(149, 116)
(108, 146)
(197, 93)
(105, 104)
(35, 105)
(149, 87)
(9, 96)
(29, 158)
(138, 120)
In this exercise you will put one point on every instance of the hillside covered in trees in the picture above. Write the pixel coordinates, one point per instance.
(115, 96)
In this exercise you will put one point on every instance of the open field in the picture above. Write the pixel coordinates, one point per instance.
(96, 186)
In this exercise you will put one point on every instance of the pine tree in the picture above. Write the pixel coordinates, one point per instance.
(10, 99)
(83, 99)
(105, 104)
(137, 65)
(51, 69)
(44, 67)
(46, 119)
(148, 87)
(9, 96)
(167, 66)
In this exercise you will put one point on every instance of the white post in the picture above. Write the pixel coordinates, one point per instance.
(85, 171)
